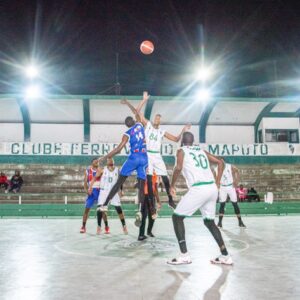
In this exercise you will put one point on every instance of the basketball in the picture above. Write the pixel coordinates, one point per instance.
(147, 47)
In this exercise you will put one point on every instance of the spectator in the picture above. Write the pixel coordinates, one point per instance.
(16, 182)
(4, 182)
(241, 193)
(253, 195)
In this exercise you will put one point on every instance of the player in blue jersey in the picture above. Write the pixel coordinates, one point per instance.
(92, 191)
(136, 161)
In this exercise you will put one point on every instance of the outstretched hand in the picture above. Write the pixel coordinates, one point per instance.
(187, 127)
(146, 96)
(124, 101)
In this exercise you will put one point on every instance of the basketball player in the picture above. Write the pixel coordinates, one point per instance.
(92, 188)
(202, 194)
(136, 161)
(154, 137)
(229, 181)
(109, 178)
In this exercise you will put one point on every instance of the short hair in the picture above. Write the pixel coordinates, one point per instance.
(93, 159)
(159, 115)
(129, 121)
(187, 138)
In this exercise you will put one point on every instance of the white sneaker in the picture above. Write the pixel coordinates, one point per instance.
(138, 219)
(182, 259)
(223, 260)
(103, 208)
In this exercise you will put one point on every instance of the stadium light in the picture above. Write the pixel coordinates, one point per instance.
(203, 95)
(32, 72)
(203, 74)
(33, 92)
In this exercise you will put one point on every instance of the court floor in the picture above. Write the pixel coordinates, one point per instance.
(49, 259)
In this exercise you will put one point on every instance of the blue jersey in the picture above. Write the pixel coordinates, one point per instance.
(137, 138)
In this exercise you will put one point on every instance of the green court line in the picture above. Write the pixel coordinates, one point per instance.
(76, 210)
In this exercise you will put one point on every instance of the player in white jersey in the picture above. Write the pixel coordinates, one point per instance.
(154, 137)
(202, 194)
(229, 182)
(109, 177)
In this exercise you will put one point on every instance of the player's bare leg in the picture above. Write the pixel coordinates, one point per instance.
(166, 182)
(238, 214)
(84, 220)
(122, 218)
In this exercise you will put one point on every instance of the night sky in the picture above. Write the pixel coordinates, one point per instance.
(250, 44)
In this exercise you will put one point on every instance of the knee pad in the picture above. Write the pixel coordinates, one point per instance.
(236, 208)
(222, 208)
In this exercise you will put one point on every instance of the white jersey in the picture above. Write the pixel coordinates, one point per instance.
(227, 178)
(109, 178)
(196, 168)
(153, 138)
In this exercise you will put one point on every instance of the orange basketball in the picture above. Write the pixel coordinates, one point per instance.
(147, 47)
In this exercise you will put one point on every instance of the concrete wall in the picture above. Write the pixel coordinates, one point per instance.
(282, 180)
(230, 134)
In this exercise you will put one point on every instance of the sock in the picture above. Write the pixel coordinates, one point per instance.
(214, 230)
(180, 232)
(166, 182)
(141, 193)
(123, 222)
(220, 219)
(99, 218)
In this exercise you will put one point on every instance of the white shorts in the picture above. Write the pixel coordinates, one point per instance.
(156, 163)
(203, 197)
(115, 201)
(227, 191)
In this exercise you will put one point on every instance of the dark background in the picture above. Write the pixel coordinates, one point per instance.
(250, 44)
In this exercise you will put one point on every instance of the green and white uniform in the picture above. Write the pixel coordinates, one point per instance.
(203, 192)
(108, 180)
(226, 187)
(153, 140)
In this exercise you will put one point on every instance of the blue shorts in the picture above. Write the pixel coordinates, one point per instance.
(92, 198)
(135, 162)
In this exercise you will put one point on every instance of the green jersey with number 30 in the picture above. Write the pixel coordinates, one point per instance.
(196, 168)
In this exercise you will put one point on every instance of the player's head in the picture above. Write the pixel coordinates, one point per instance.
(157, 119)
(129, 122)
(110, 162)
(187, 139)
(17, 173)
(95, 162)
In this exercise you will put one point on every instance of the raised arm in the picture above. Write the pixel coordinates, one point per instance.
(174, 138)
(177, 171)
(137, 111)
(146, 97)
(117, 150)
(215, 160)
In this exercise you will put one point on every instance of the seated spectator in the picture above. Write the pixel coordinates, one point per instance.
(4, 182)
(16, 182)
(241, 193)
(253, 195)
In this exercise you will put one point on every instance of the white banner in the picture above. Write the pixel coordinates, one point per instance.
(93, 149)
